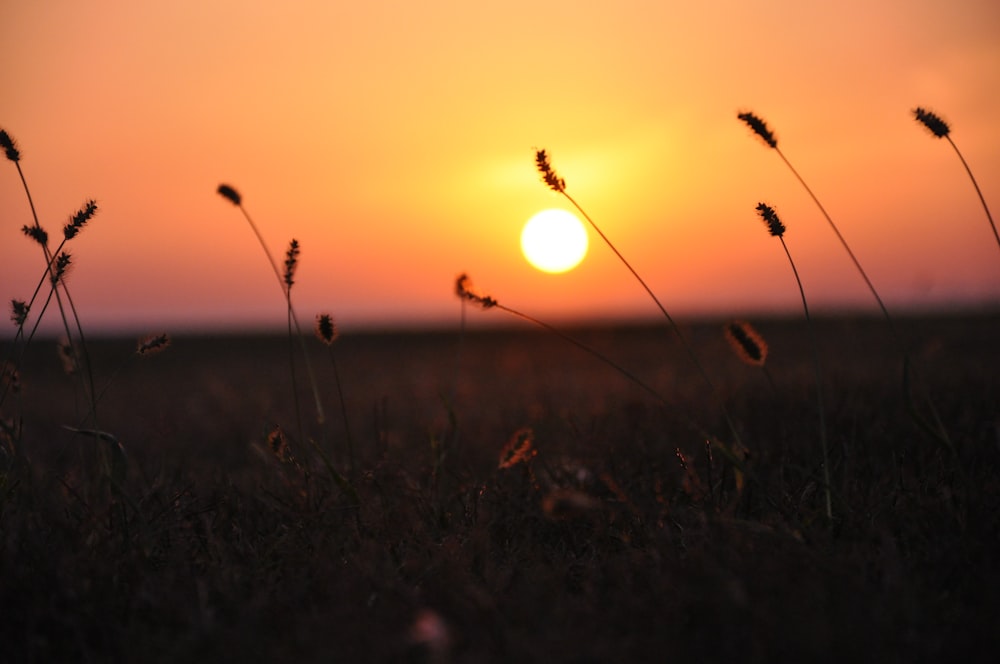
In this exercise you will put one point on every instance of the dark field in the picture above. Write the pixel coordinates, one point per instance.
(627, 538)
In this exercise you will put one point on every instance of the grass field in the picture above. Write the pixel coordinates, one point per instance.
(625, 538)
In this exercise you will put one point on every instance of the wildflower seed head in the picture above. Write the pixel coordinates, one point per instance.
(935, 124)
(549, 177)
(19, 312)
(291, 262)
(152, 344)
(770, 217)
(80, 219)
(760, 128)
(748, 344)
(519, 449)
(36, 233)
(10, 146)
(230, 194)
(326, 329)
(465, 292)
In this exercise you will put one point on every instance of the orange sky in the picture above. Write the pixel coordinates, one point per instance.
(395, 142)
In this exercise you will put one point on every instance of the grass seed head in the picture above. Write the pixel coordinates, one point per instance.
(326, 329)
(36, 233)
(19, 312)
(10, 146)
(230, 194)
(464, 291)
(935, 124)
(748, 344)
(291, 262)
(770, 217)
(152, 344)
(760, 128)
(80, 219)
(61, 267)
(549, 177)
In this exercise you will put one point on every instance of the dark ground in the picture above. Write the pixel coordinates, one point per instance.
(626, 538)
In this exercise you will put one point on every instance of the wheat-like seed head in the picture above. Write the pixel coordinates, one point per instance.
(770, 217)
(61, 267)
(19, 312)
(152, 344)
(464, 291)
(9, 146)
(230, 194)
(748, 344)
(36, 233)
(935, 124)
(760, 128)
(291, 262)
(80, 219)
(549, 177)
(326, 329)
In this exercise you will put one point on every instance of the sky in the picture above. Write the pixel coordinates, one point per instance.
(395, 141)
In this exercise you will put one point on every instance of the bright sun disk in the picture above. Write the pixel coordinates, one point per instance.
(554, 241)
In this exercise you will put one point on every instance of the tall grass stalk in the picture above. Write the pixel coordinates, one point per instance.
(558, 185)
(56, 264)
(285, 281)
(777, 229)
(940, 129)
(760, 128)
(936, 431)
(327, 332)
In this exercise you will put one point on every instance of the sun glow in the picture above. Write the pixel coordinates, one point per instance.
(554, 241)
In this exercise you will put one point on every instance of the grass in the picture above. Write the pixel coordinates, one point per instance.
(585, 514)
(602, 545)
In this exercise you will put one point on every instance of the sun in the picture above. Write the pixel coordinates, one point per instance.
(554, 241)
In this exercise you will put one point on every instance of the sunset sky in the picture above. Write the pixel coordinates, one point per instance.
(394, 141)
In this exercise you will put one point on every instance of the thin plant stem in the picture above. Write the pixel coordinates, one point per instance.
(558, 185)
(847, 248)
(819, 383)
(975, 184)
(320, 417)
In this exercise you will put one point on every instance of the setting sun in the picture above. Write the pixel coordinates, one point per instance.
(554, 241)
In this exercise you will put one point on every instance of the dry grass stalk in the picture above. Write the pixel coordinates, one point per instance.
(56, 265)
(940, 129)
(558, 185)
(761, 129)
(777, 229)
(327, 332)
(285, 281)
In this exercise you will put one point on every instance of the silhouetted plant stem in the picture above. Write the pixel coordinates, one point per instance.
(56, 280)
(847, 248)
(234, 197)
(940, 129)
(326, 332)
(777, 229)
(558, 185)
